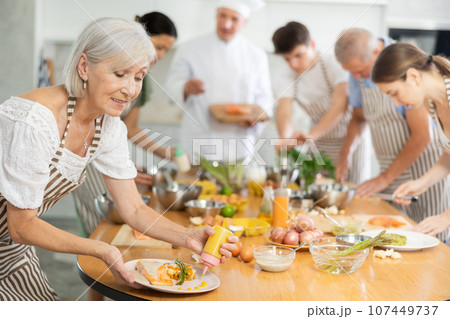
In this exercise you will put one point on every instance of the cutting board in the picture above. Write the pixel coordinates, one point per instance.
(125, 237)
(257, 113)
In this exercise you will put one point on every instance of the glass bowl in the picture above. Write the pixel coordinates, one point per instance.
(324, 250)
(351, 227)
(274, 258)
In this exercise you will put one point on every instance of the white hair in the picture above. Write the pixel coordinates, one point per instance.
(355, 43)
(104, 39)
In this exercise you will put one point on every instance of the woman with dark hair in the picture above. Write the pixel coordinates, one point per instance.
(162, 33)
(412, 77)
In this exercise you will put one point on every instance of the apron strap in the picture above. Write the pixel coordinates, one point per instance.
(70, 108)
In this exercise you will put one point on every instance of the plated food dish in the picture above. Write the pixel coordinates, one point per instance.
(414, 241)
(163, 275)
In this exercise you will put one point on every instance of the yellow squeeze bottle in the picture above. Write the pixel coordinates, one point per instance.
(210, 254)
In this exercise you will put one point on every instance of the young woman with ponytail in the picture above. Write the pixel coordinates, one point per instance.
(414, 78)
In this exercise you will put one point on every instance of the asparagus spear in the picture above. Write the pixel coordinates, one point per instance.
(378, 240)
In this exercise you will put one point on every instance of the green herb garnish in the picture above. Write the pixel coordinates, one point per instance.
(182, 271)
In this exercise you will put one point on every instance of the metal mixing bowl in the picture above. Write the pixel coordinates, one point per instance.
(351, 238)
(204, 207)
(105, 206)
(158, 174)
(332, 194)
(176, 200)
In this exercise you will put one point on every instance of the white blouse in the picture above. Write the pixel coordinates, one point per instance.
(29, 138)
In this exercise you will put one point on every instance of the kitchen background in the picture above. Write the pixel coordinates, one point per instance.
(33, 31)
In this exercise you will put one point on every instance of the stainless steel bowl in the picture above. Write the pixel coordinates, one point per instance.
(158, 174)
(351, 238)
(176, 200)
(332, 194)
(105, 206)
(204, 207)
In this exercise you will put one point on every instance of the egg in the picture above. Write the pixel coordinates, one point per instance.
(236, 252)
(246, 254)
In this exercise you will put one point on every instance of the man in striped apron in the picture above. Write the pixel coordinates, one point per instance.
(401, 140)
(319, 86)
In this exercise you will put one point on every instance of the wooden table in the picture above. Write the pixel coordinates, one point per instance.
(419, 275)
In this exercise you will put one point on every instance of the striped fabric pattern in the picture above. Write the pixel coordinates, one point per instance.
(390, 132)
(331, 142)
(442, 139)
(21, 277)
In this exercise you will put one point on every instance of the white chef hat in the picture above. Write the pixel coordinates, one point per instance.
(244, 7)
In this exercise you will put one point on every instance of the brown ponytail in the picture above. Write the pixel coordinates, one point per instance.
(396, 59)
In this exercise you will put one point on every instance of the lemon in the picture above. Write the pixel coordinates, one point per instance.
(227, 211)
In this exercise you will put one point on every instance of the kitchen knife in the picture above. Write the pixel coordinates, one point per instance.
(392, 197)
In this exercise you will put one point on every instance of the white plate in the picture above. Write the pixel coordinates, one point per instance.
(414, 240)
(211, 280)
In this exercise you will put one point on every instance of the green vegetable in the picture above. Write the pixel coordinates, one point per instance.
(397, 240)
(182, 271)
(379, 240)
(229, 175)
(309, 167)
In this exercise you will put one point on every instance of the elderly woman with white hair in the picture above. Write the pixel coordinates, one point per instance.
(49, 135)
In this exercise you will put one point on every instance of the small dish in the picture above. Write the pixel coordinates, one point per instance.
(274, 258)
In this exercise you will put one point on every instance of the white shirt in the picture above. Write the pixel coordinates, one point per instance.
(29, 138)
(232, 72)
(311, 86)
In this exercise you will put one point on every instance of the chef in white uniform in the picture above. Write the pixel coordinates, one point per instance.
(220, 68)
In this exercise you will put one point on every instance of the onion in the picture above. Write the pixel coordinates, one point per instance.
(304, 223)
(291, 238)
(278, 237)
(307, 236)
(317, 232)
(276, 231)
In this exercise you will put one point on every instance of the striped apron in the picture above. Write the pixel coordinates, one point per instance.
(91, 188)
(390, 133)
(442, 139)
(331, 142)
(21, 277)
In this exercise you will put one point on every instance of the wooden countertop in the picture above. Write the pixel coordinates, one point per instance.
(418, 275)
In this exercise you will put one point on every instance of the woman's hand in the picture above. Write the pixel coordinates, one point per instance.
(411, 188)
(198, 237)
(113, 259)
(434, 224)
(372, 186)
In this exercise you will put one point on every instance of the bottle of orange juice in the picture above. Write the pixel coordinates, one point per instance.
(281, 207)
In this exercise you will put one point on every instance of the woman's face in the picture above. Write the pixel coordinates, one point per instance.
(405, 92)
(162, 44)
(110, 88)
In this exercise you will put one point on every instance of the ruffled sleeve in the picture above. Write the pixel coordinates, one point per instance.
(28, 141)
(113, 158)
